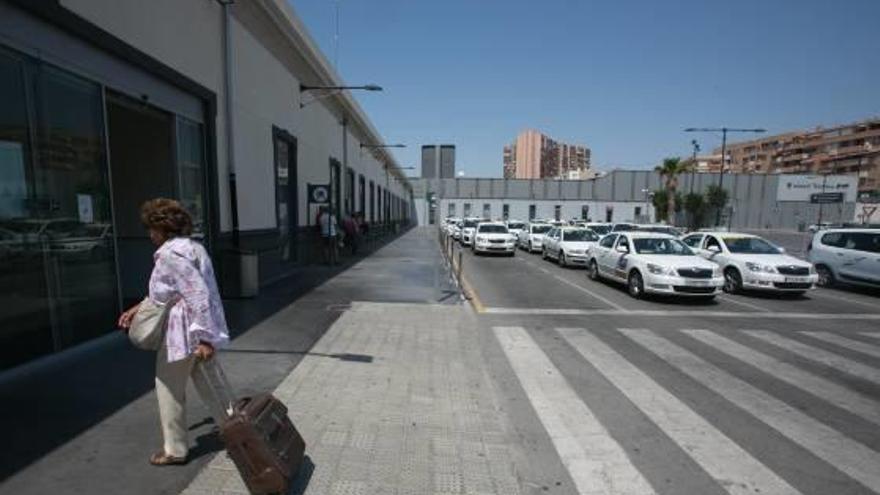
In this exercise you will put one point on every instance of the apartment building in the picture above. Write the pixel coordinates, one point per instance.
(847, 149)
(438, 161)
(534, 155)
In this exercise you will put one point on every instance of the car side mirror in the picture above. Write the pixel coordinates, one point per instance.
(713, 249)
(621, 248)
(781, 249)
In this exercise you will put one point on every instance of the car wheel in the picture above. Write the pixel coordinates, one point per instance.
(561, 259)
(594, 270)
(732, 281)
(826, 278)
(635, 285)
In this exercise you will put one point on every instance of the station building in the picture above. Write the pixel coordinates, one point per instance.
(107, 103)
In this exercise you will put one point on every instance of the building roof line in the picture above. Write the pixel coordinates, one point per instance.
(296, 33)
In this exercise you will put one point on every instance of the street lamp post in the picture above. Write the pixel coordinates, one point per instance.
(723, 131)
(696, 146)
(303, 88)
(648, 194)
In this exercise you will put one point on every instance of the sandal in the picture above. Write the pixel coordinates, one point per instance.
(163, 459)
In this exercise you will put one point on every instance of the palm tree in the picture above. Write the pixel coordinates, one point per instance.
(669, 171)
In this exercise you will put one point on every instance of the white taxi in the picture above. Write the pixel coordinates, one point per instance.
(493, 237)
(515, 227)
(569, 245)
(531, 238)
(751, 262)
(650, 263)
(468, 228)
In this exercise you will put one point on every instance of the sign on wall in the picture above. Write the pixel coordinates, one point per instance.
(806, 187)
(319, 193)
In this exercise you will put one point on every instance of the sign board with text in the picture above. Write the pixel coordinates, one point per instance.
(804, 187)
(826, 198)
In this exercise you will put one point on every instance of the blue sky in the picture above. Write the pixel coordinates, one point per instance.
(621, 76)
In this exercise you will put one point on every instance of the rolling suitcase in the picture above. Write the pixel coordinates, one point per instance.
(258, 435)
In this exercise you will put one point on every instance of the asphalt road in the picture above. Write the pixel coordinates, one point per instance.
(746, 394)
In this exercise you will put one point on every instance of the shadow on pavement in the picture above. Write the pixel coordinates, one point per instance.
(60, 396)
(360, 358)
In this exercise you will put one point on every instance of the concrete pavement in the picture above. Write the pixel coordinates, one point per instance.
(399, 399)
(748, 394)
(80, 419)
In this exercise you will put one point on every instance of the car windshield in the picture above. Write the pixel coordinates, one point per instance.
(749, 245)
(580, 235)
(493, 229)
(600, 229)
(470, 223)
(661, 245)
(541, 229)
(624, 227)
(518, 226)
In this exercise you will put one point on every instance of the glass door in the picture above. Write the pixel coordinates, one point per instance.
(57, 262)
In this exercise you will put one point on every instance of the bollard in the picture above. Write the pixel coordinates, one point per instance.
(459, 267)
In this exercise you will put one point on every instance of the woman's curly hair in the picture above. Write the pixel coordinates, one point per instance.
(167, 216)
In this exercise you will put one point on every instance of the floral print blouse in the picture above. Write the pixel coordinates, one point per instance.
(182, 271)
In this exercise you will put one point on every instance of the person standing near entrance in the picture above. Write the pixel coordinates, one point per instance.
(349, 227)
(184, 277)
(329, 236)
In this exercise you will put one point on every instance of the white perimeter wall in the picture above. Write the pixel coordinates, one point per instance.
(621, 211)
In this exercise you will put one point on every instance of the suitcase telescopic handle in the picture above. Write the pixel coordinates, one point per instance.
(222, 402)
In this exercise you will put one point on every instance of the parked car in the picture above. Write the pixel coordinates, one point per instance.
(751, 262)
(661, 229)
(650, 263)
(456, 230)
(816, 227)
(849, 256)
(468, 227)
(599, 228)
(532, 237)
(515, 227)
(624, 227)
(449, 224)
(493, 237)
(569, 245)
(94, 240)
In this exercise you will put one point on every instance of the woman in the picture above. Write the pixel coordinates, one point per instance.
(183, 276)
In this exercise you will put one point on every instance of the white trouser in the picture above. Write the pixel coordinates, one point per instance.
(171, 381)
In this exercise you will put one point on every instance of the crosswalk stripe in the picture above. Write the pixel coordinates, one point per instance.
(725, 461)
(819, 355)
(595, 461)
(820, 387)
(841, 341)
(849, 456)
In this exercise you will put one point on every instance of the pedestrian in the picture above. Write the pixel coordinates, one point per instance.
(329, 236)
(184, 277)
(349, 226)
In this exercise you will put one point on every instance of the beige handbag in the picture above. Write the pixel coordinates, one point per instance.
(147, 330)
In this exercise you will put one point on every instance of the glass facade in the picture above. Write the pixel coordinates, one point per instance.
(59, 273)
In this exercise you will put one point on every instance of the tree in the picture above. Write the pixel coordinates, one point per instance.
(660, 200)
(669, 171)
(695, 206)
(716, 197)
